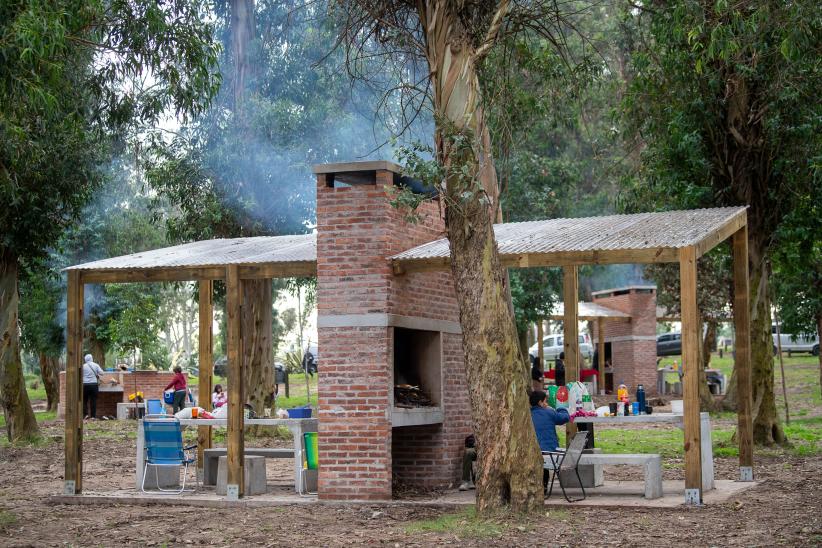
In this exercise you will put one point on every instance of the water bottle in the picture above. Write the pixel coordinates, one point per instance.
(640, 398)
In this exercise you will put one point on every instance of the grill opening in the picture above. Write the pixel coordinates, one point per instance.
(417, 368)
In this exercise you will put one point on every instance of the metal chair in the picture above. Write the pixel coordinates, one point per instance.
(164, 448)
(557, 461)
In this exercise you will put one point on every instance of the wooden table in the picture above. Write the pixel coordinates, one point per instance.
(298, 427)
(674, 420)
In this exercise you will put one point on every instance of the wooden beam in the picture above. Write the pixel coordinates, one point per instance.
(601, 353)
(555, 259)
(236, 392)
(74, 387)
(570, 330)
(690, 363)
(728, 229)
(164, 274)
(742, 353)
(206, 349)
(540, 349)
(278, 270)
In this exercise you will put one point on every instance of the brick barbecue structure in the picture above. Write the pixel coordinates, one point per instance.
(150, 383)
(378, 330)
(632, 344)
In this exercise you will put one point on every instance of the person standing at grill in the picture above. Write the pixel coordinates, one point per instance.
(178, 383)
(91, 386)
(559, 370)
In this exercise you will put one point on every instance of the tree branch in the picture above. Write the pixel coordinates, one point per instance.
(493, 31)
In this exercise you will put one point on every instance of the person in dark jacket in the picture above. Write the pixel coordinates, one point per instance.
(560, 369)
(536, 375)
(546, 420)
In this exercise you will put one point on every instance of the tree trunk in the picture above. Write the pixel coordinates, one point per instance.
(257, 350)
(706, 399)
(510, 465)
(20, 421)
(819, 338)
(766, 427)
(49, 369)
(97, 349)
(242, 33)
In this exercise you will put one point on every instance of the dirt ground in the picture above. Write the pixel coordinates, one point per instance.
(785, 510)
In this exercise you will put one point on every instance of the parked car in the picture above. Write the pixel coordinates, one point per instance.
(793, 343)
(552, 345)
(669, 344)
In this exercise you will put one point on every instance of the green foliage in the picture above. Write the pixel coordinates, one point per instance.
(62, 93)
(798, 268)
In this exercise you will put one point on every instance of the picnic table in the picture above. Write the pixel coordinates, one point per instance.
(673, 420)
(298, 427)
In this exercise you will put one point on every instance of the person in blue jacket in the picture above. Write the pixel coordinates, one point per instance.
(546, 419)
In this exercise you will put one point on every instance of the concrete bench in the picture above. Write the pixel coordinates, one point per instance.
(652, 465)
(253, 472)
(210, 457)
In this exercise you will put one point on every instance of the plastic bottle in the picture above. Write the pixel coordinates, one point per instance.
(622, 393)
(640, 398)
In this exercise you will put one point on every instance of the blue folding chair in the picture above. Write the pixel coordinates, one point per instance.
(155, 407)
(164, 447)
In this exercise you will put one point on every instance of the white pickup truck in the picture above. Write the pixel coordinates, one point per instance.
(791, 343)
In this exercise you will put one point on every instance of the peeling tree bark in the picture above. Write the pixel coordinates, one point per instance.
(510, 465)
(49, 369)
(20, 421)
(257, 350)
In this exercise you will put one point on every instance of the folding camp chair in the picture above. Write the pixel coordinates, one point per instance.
(557, 461)
(164, 448)
(310, 462)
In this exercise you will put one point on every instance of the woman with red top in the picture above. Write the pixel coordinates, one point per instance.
(178, 383)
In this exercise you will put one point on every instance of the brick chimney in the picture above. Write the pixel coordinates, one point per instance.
(378, 329)
(633, 344)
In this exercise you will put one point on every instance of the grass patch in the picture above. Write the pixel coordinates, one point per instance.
(40, 416)
(466, 524)
(6, 519)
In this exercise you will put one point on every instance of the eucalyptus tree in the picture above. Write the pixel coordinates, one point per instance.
(442, 47)
(725, 102)
(72, 73)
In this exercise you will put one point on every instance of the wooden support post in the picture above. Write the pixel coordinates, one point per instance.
(74, 386)
(206, 319)
(742, 353)
(690, 363)
(540, 349)
(236, 393)
(601, 353)
(570, 330)
(570, 323)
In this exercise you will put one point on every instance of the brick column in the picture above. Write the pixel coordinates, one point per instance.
(359, 302)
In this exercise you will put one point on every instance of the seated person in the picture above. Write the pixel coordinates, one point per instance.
(218, 397)
(546, 420)
(468, 459)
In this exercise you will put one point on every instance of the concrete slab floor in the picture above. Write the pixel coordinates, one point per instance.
(615, 494)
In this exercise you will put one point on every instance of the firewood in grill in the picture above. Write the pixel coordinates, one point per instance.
(408, 397)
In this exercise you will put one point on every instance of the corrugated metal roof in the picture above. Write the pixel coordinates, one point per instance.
(220, 252)
(588, 311)
(670, 229)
